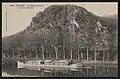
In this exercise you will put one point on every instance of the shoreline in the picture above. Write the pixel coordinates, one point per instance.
(100, 63)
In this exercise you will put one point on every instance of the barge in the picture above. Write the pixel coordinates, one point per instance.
(49, 64)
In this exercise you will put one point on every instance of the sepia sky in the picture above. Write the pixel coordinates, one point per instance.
(18, 19)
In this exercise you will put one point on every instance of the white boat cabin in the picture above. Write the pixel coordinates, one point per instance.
(50, 62)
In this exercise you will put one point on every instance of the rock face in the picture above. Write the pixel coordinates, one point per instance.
(64, 29)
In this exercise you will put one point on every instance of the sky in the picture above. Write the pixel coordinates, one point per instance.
(17, 19)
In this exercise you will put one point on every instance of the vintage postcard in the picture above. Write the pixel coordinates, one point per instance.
(60, 39)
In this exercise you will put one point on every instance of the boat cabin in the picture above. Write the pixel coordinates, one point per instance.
(34, 62)
(50, 62)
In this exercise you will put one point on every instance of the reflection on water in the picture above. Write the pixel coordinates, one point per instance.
(82, 72)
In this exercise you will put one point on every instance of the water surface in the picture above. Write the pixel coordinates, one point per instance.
(82, 72)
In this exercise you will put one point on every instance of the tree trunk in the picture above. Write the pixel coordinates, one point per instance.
(87, 53)
(108, 56)
(13, 54)
(78, 54)
(43, 52)
(18, 52)
(71, 54)
(95, 60)
(95, 53)
(36, 54)
(56, 51)
(64, 52)
(81, 55)
(30, 53)
(103, 55)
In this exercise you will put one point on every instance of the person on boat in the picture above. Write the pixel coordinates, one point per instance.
(42, 62)
(70, 62)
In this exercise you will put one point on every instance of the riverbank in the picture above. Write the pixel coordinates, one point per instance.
(99, 63)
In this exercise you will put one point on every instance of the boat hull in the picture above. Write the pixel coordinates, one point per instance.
(45, 66)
